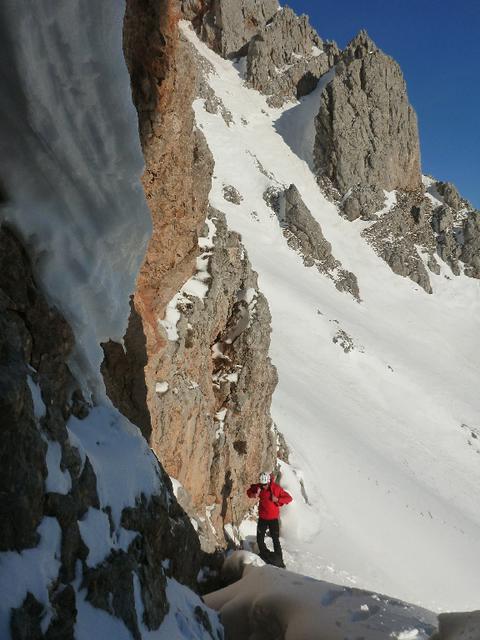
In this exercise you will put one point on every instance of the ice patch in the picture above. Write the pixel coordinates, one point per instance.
(220, 419)
(409, 634)
(177, 485)
(390, 202)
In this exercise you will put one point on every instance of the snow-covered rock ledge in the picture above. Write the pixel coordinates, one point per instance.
(269, 603)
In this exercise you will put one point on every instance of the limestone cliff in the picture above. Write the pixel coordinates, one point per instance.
(366, 130)
(419, 231)
(214, 382)
(205, 402)
(366, 143)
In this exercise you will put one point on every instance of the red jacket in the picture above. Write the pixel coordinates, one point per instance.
(267, 508)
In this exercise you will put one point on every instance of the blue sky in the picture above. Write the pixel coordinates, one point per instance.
(437, 44)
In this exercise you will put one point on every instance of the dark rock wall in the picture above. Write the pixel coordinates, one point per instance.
(38, 394)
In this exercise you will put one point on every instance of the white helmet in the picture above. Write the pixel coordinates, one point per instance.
(264, 477)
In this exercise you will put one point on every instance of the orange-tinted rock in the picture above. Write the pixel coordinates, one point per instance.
(187, 387)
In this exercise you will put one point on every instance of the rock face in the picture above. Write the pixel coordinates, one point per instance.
(397, 234)
(361, 201)
(304, 234)
(458, 239)
(38, 396)
(228, 25)
(418, 231)
(450, 195)
(209, 410)
(123, 373)
(287, 57)
(212, 426)
(458, 626)
(367, 143)
(231, 194)
(470, 243)
(366, 130)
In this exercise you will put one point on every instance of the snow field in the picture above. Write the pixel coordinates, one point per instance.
(392, 482)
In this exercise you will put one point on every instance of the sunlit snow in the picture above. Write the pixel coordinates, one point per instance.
(391, 477)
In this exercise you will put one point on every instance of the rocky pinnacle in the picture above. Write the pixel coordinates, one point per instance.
(228, 25)
(366, 130)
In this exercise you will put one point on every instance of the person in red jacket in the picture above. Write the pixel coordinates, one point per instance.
(271, 497)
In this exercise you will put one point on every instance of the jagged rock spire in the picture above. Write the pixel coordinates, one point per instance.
(228, 25)
(287, 58)
(361, 44)
(366, 129)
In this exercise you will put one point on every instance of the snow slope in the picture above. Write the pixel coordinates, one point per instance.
(383, 436)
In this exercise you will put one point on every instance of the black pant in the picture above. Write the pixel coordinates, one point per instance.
(274, 527)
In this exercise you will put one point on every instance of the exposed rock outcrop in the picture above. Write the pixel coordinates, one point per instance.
(457, 236)
(362, 201)
(451, 197)
(231, 194)
(458, 626)
(47, 486)
(123, 373)
(210, 422)
(398, 235)
(470, 252)
(366, 130)
(367, 143)
(178, 164)
(418, 231)
(227, 26)
(456, 227)
(305, 235)
(287, 57)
